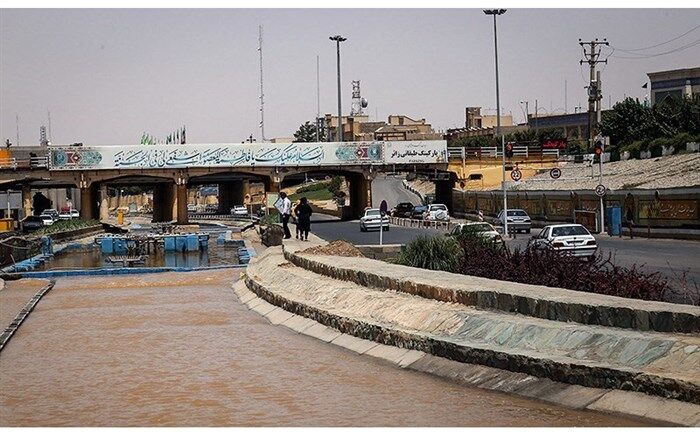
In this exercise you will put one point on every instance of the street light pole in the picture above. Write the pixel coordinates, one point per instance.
(495, 13)
(338, 39)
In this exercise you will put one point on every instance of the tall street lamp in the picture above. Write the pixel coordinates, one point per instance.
(495, 13)
(338, 39)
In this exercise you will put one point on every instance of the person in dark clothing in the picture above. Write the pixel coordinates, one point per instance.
(630, 221)
(303, 212)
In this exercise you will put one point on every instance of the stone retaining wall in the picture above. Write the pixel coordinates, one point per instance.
(455, 346)
(529, 300)
(383, 252)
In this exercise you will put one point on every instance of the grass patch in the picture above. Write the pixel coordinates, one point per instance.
(322, 194)
(65, 225)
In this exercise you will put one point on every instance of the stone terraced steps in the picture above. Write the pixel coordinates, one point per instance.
(660, 364)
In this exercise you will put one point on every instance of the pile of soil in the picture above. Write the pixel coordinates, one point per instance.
(337, 248)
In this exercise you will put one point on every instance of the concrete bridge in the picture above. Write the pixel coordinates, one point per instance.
(171, 169)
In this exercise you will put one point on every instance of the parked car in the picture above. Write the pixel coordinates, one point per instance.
(572, 239)
(418, 212)
(437, 211)
(70, 214)
(518, 220)
(31, 223)
(47, 219)
(482, 228)
(191, 208)
(373, 220)
(52, 212)
(239, 211)
(403, 209)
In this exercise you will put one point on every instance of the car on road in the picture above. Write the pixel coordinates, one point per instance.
(373, 220)
(52, 212)
(572, 239)
(69, 214)
(47, 219)
(482, 228)
(518, 220)
(191, 208)
(31, 223)
(403, 209)
(437, 211)
(418, 211)
(239, 211)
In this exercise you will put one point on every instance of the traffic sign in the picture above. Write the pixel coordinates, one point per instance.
(555, 173)
(383, 207)
(600, 190)
(516, 175)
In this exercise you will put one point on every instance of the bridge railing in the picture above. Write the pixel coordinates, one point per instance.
(33, 162)
(491, 152)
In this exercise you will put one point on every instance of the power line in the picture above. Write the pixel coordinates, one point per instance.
(654, 55)
(660, 44)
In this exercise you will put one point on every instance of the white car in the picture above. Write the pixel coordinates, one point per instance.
(437, 211)
(572, 239)
(239, 211)
(47, 219)
(373, 220)
(482, 228)
(52, 212)
(71, 214)
(518, 220)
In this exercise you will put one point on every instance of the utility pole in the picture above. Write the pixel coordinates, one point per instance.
(17, 124)
(318, 101)
(262, 94)
(566, 103)
(592, 58)
(495, 13)
(338, 39)
(48, 113)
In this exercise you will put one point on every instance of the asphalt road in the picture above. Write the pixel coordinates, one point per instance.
(391, 189)
(669, 257)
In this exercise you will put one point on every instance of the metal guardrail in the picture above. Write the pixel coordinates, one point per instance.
(33, 162)
(496, 152)
(422, 224)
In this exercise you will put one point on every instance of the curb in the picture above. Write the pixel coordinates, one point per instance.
(614, 401)
(23, 314)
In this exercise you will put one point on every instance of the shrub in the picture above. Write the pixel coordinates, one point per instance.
(269, 219)
(432, 253)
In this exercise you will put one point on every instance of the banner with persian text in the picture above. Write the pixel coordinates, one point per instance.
(246, 155)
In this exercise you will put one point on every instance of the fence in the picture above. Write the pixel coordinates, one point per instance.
(522, 151)
(422, 224)
(33, 162)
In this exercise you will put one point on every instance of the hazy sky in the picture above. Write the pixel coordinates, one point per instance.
(108, 75)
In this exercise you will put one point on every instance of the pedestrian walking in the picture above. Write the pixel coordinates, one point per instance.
(630, 220)
(303, 212)
(295, 218)
(286, 210)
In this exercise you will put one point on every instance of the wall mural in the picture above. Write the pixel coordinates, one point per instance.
(247, 155)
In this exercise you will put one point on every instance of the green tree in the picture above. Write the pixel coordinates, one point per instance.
(307, 134)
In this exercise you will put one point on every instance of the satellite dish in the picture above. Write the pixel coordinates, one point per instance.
(363, 102)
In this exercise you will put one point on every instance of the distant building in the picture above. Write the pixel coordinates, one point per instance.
(674, 84)
(396, 128)
(475, 119)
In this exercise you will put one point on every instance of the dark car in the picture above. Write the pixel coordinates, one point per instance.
(418, 211)
(403, 209)
(32, 223)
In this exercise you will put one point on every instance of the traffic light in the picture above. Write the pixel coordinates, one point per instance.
(509, 150)
(599, 147)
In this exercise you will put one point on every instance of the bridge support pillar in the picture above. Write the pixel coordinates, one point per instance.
(163, 202)
(181, 204)
(88, 202)
(360, 193)
(231, 194)
(272, 185)
(104, 203)
(27, 200)
(443, 192)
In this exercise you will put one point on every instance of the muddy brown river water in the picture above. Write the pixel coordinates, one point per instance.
(180, 350)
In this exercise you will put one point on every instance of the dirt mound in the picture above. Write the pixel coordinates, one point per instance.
(337, 248)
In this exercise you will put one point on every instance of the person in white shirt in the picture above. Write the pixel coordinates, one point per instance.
(286, 211)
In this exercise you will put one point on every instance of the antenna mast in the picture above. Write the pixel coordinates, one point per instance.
(50, 136)
(262, 94)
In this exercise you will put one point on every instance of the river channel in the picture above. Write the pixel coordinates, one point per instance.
(180, 350)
